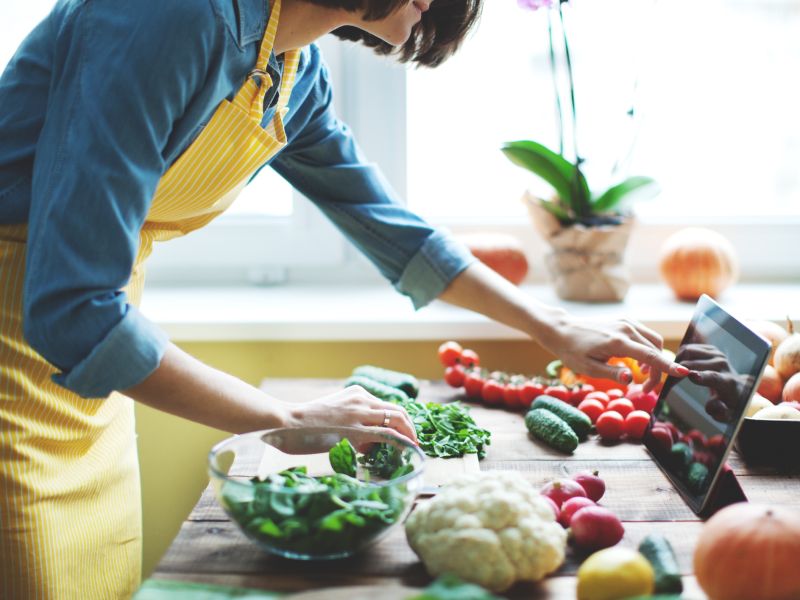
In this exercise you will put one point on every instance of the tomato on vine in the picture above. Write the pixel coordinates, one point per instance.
(455, 375)
(450, 353)
(469, 358)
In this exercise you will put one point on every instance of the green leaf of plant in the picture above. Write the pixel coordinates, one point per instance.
(343, 458)
(568, 182)
(611, 198)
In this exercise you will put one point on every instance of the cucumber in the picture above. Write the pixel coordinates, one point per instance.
(659, 553)
(581, 424)
(402, 381)
(698, 473)
(681, 457)
(379, 390)
(551, 429)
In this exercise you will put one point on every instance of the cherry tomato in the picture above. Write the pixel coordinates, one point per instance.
(597, 395)
(469, 358)
(636, 424)
(454, 376)
(716, 444)
(557, 391)
(610, 425)
(615, 393)
(622, 405)
(578, 393)
(592, 408)
(641, 401)
(696, 439)
(662, 438)
(512, 395)
(492, 392)
(449, 353)
(530, 391)
(473, 384)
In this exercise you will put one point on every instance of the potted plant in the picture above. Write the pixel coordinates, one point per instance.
(587, 229)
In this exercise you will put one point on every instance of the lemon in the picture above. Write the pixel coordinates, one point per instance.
(614, 573)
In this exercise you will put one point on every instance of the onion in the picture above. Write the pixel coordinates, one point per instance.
(773, 332)
(791, 391)
(787, 356)
(771, 385)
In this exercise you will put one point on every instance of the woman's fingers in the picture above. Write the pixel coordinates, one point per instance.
(393, 418)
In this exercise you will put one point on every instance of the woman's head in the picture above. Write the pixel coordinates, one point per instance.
(426, 32)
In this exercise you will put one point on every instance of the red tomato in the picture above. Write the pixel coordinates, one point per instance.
(557, 391)
(641, 401)
(530, 391)
(473, 384)
(622, 405)
(454, 376)
(615, 393)
(716, 444)
(610, 425)
(662, 438)
(578, 393)
(512, 395)
(592, 408)
(601, 396)
(636, 424)
(696, 439)
(492, 392)
(470, 358)
(449, 353)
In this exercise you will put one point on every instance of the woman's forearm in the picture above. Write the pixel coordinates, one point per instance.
(184, 386)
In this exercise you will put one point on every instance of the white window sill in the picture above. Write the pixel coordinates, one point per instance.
(372, 313)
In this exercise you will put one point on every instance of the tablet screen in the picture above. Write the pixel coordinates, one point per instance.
(697, 417)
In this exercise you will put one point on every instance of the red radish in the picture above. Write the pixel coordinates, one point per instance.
(561, 490)
(622, 405)
(592, 485)
(595, 527)
(791, 391)
(551, 503)
(610, 425)
(636, 424)
(570, 507)
(592, 408)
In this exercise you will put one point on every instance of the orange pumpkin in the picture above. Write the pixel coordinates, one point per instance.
(501, 252)
(696, 261)
(749, 551)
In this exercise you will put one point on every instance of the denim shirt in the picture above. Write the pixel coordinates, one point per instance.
(96, 104)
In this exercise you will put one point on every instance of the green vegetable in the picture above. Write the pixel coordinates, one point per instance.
(295, 513)
(551, 429)
(378, 389)
(658, 597)
(698, 473)
(659, 553)
(681, 456)
(581, 424)
(443, 430)
(386, 461)
(343, 458)
(396, 379)
(450, 587)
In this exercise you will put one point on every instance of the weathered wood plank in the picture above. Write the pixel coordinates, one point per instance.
(376, 588)
(219, 547)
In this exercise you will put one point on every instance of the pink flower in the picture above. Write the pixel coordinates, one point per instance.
(535, 4)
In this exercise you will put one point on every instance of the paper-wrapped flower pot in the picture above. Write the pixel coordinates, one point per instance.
(585, 264)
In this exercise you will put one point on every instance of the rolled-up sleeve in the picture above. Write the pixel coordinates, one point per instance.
(119, 82)
(325, 164)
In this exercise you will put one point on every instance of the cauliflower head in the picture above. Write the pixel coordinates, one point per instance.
(490, 528)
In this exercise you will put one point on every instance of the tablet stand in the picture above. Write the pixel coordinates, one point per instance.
(726, 491)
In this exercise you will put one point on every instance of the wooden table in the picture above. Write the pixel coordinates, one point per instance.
(210, 548)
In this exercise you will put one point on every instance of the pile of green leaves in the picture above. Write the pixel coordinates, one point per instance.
(447, 430)
(333, 514)
(450, 587)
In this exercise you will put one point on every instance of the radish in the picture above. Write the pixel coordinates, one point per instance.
(595, 527)
(570, 507)
(592, 485)
(561, 490)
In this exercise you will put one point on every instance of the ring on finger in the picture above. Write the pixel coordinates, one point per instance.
(387, 418)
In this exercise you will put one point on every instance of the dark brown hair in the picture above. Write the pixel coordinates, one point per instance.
(434, 39)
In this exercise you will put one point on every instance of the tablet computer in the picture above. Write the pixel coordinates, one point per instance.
(696, 419)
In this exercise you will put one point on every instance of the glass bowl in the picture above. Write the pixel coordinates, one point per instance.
(279, 487)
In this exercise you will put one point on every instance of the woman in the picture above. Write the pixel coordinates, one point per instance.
(125, 123)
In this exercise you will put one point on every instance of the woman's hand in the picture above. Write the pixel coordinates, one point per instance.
(353, 407)
(586, 346)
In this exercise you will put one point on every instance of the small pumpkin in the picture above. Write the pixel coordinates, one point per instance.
(748, 551)
(696, 261)
(500, 252)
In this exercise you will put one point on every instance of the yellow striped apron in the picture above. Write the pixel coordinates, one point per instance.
(70, 504)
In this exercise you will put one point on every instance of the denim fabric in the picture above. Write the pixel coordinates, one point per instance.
(99, 100)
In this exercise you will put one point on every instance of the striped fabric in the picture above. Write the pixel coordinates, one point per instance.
(70, 503)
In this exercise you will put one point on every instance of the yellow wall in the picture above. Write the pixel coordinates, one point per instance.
(173, 451)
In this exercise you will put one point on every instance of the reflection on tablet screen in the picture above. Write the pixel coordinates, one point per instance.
(697, 417)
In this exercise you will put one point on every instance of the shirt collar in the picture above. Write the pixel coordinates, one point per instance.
(253, 16)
